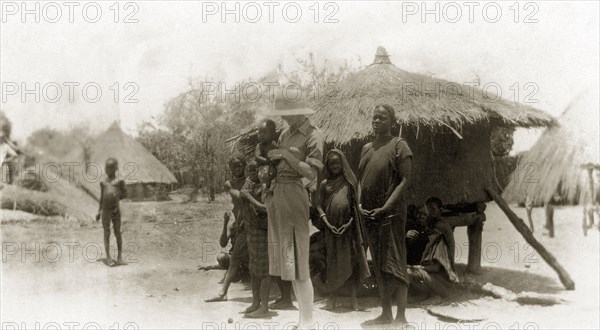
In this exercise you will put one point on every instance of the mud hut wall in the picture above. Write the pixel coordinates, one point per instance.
(150, 191)
(455, 170)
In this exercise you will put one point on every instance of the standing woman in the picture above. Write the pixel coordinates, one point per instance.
(288, 201)
(384, 170)
(344, 237)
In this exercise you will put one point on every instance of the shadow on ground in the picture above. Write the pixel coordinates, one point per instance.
(513, 280)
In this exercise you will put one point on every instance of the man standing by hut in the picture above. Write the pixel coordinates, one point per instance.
(288, 202)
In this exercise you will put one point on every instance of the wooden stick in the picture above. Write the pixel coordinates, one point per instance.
(521, 227)
(241, 135)
(590, 203)
(453, 130)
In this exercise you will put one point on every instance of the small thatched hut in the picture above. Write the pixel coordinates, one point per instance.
(563, 159)
(146, 178)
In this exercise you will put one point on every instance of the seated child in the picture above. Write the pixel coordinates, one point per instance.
(416, 234)
(435, 274)
(267, 136)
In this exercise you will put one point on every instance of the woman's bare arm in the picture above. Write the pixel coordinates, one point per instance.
(405, 169)
(320, 198)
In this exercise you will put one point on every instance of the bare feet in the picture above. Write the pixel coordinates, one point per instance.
(282, 304)
(400, 323)
(330, 304)
(381, 319)
(110, 262)
(277, 301)
(251, 308)
(219, 297)
(258, 314)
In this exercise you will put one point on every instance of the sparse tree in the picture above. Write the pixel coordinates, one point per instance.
(198, 122)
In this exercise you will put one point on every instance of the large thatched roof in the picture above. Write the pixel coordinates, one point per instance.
(447, 125)
(344, 110)
(554, 163)
(418, 99)
(136, 163)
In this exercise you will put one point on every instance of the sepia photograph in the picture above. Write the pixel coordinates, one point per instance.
(300, 165)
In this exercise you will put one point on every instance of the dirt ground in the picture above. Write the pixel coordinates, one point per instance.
(51, 278)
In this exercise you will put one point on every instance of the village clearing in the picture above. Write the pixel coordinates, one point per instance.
(50, 275)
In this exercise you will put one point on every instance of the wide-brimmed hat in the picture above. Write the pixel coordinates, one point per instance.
(284, 106)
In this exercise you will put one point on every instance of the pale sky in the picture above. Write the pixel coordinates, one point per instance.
(559, 53)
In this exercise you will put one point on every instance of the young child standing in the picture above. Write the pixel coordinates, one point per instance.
(345, 243)
(257, 232)
(112, 190)
(236, 233)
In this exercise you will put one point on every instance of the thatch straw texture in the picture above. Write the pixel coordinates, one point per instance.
(136, 163)
(554, 163)
(419, 101)
(62, 198)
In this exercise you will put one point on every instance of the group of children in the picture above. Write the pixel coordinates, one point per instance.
(342, 237)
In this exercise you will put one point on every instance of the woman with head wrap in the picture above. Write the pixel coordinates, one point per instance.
(344, 233)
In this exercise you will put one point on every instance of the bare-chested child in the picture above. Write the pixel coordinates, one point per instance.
(237, 232)
(112, 190)
(267, 137)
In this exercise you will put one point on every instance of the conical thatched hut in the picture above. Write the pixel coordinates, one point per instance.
(447, 125)
(563, 159)
(144, 175)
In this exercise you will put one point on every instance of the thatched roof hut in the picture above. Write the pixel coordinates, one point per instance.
(141, 171)
(447, 125)
(560, 159)
(419, 100)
